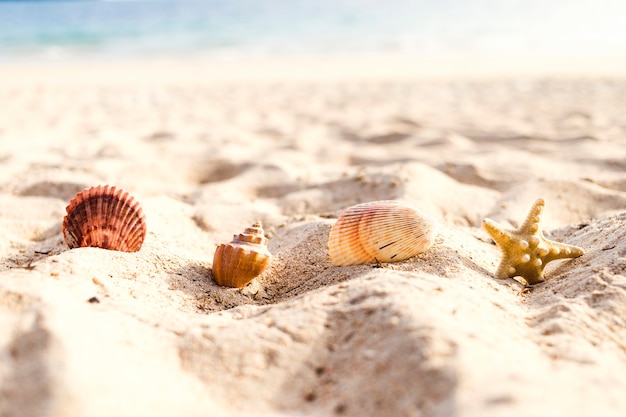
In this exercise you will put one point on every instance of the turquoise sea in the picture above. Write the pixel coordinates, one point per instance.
(57, 30)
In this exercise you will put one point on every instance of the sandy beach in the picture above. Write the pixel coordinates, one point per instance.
(208, 149)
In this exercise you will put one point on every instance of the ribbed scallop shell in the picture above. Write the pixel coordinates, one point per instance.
(380, 231)
(237, 263)
(105, 217)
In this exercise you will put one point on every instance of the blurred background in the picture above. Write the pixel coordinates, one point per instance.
(65, 30)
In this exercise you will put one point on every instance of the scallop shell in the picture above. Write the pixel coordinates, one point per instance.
(237, 263)
(380, 231)
(105, 217)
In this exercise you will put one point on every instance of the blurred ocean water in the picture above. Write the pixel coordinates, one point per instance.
(56, 30)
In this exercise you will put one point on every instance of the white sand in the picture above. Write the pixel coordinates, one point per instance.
(207, 155)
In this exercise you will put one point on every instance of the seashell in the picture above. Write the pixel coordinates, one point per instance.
(380, 231)
(104, 217)
(237, 263)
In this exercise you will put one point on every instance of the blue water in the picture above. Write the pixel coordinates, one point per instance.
(66, 29)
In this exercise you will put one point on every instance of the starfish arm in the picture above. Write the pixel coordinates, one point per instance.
(506, 242)
(531, 224)
(505, 269)
(558, 250)
(498, 233)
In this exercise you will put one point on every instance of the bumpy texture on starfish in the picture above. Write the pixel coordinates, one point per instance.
(526, 251)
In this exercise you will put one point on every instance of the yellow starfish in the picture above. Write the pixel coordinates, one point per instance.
(526, 251)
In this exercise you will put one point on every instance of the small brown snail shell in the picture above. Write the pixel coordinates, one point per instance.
(380, 231)
(237, 263)
(105, 217)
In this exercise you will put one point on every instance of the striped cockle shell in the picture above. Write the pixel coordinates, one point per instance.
(380, 231)
(237, 263)
(105, 217)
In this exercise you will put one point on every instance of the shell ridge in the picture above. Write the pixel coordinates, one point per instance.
(100, 219)
(99, 233)
(123, 222)
(337, 240)
(85, 226)
(101, 206)
(113, 204)
(365, 235)
(86, 223)
(108, 201)
(120, 217)
(76, 210)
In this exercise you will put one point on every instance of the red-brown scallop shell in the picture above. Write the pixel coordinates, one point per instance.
(105, 217)
(380, 231)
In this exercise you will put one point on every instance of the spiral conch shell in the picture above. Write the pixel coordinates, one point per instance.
(237, 263)
(380, 231)
(105, 217)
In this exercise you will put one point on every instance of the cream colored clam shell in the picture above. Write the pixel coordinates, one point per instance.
(380, 231)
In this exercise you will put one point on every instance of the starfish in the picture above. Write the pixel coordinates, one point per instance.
(526, 251)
